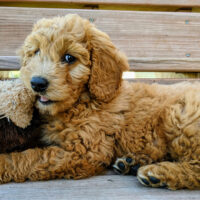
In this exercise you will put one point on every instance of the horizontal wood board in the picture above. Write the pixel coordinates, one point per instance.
(185, 3)
(136, 64)
(107, 187)
(165, 81)
(153, 41)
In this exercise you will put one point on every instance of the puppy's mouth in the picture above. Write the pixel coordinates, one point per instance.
(44, 100)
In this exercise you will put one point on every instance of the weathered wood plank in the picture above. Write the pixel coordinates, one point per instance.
(138, 34)
(107, 187)
(186, 3)
(164, 81)
(9, 63)
(149, 35)
(136, 64)
(165, 64)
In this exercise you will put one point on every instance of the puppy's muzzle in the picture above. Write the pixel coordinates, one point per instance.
(39, 84)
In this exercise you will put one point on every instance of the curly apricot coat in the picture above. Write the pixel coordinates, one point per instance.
(94, 117)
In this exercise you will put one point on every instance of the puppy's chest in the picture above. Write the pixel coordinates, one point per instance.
(65, 129)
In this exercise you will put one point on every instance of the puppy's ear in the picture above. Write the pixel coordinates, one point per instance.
(107, 62)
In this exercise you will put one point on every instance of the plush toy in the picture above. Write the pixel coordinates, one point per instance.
(19, 121)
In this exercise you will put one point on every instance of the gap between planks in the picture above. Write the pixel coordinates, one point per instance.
(184, 3)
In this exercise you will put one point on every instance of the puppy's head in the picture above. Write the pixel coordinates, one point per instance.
(64, 56)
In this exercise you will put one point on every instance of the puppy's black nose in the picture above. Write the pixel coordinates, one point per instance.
(39, 84)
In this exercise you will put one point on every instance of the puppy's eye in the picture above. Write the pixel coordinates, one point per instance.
(37, 52)
(67, 58)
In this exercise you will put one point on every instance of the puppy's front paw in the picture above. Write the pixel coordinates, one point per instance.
(150, 175)
(126, 165)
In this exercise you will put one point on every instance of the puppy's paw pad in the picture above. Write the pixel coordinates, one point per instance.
(154, 180)
(126, 165)
(144, 181)
(129, 160)
(148, 178)
(120, 166)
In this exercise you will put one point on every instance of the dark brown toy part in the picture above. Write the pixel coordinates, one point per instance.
(14, 138)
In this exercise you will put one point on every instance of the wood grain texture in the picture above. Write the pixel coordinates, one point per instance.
(165, 64)
(9, 63)
(164, 81)
(187, 3)
(107, 187)
(170, 40)
(136, 64)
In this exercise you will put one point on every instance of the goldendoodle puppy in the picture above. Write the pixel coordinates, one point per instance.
(94, 117)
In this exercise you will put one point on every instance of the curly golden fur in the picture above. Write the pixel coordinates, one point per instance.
(94, 117)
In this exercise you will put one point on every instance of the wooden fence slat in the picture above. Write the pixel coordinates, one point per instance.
(136, 64)
(185, 3)
(153, 41)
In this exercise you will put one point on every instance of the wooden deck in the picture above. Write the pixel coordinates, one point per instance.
(103, 187)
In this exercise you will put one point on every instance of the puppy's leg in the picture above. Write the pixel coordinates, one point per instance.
(171, 175)
(181, 128)
(130, 163)
(49, 163)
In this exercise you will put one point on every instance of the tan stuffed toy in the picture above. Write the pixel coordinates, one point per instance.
(19, 122)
